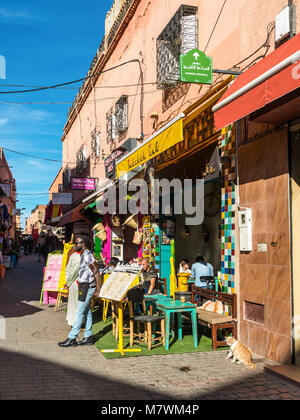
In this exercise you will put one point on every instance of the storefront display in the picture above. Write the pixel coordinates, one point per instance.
(147, 237)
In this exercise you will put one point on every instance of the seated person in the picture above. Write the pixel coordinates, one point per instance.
(184, 267)
(111, 266)
(201, 268)
(138, 261)
(148, 276)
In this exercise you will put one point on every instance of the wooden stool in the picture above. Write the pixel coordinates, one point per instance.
(147, 321)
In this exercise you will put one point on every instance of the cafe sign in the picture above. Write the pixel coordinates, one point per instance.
(151, 148)
(195, 67)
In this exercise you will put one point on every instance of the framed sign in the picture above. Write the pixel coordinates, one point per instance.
(110, 161)
(62, 198)
(117, 251)
(83, 184)
(195, 67)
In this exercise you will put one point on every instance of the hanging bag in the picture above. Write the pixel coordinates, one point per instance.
(137, 238)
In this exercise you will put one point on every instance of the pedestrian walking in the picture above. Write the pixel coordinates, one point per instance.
(41, 242)
(88, 286)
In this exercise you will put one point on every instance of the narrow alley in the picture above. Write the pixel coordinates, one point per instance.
(34, 367)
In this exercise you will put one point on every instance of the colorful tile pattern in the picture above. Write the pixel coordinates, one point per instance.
(227, 148)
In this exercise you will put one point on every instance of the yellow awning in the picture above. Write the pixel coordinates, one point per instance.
(155, 145)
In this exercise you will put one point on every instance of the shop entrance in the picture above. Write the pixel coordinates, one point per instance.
(295, 227)
(203, 239)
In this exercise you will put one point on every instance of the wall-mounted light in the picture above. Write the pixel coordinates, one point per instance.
(187, 231)
(154, 117)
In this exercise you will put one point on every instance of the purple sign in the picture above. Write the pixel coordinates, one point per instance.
(83, 184)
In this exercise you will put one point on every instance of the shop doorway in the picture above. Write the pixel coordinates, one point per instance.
(295, 229)
(203, 239)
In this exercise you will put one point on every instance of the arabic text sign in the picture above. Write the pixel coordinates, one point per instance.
(195, 67)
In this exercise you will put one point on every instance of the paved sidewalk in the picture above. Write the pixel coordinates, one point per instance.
(33, 366)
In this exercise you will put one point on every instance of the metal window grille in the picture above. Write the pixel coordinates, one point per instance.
(178, 37)
(95, 143)
(111, 125)
(81, 159)
(122, 114)
(66, 177)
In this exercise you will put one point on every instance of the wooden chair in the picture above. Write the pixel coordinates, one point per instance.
(161, 284)
(136, 295)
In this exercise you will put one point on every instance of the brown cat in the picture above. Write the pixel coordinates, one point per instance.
(240, 352)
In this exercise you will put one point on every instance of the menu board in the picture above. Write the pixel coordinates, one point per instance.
(117, 285)
(52, 273)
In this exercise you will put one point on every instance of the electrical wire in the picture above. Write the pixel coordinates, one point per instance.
(46, 159)
(215, 25)
(270, 29)
(74, 81)
(18, 194)
(36, 157)
(90, 101)
(78, 87)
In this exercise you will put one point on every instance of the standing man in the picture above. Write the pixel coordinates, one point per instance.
(88, 286)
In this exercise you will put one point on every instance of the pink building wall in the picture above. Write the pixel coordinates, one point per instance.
(241, 31)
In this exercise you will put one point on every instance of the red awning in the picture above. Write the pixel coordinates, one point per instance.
(271, 79)
(72, 216)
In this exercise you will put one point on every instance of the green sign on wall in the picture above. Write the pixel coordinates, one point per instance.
(195, 67)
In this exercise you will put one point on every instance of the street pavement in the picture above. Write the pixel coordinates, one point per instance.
(34, 367)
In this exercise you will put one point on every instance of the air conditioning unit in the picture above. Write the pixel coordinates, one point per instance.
(284, 25)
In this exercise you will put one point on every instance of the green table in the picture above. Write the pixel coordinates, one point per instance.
(170, 307)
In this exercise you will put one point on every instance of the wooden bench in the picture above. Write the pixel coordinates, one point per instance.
(214, 320)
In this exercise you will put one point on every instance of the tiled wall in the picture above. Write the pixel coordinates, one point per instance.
(228, 250)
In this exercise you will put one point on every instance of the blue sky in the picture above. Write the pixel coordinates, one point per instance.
(43, 43)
